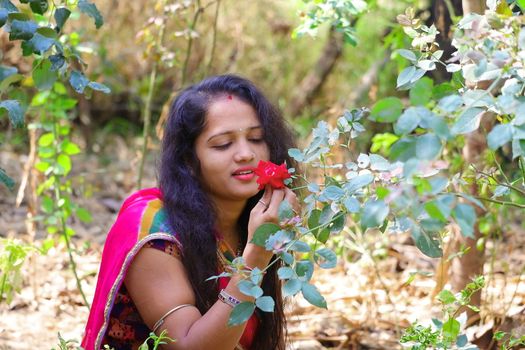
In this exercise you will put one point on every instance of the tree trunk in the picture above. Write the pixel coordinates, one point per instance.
(463, 269)
(313, 82)
(441, 17)
(473, 6)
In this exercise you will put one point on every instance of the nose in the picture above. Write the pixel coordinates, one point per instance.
(244, 152)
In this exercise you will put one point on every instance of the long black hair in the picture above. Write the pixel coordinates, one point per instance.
(190, 211)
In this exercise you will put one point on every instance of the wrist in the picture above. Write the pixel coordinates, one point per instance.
(256, 256)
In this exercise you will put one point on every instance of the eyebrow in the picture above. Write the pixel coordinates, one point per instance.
(233, 132)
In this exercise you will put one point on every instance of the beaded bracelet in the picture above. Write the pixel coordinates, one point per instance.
(228, 299)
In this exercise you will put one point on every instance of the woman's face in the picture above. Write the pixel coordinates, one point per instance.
(229, 148)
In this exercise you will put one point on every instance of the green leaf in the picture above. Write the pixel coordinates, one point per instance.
(241, 313)
(38, 6)
(312, 295)
(313, 221)
(300, 246)
(287, 258)
(409, 55)
(263, 232)
(42, 166)
(285, 211)
(428, 146)
(296, 154)
(407, 122)
(426, 243)
(451, 329)
(326, 258)
(43, 40)
(6, 180)
(4, 85)
(64, 164)
(434, 211)
(78, 81)
(465, 216)
(69, 148)
(15, 111)
(446, 297)
(46, 139)
(291, 287)
(22, 30)
(285, 272)
(9, 6)
(3, 16)
(468, 121)
(387, 110)
(404, 149)
(47, 205)
(432, 121)
(99, 87)
(326, 215)
(421, 92)
(61, 15)
(450, 103)
(358, 183)
(92, 11)
(323, 235)
(305, 269)
(462, 341)
(333, 193)
(249, 288)
(57, 61)
(352, 204)
(84, 215)
(266, 303)
(374, 213)
(499, 135)
(43, 76)
(406, 76)
(6, 71)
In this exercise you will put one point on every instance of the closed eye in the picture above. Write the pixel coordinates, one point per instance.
(222, 147)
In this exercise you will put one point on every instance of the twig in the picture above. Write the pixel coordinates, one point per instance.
(149, 98)
(190, 41)
(214, 40)
(27, 167)
(512, 204)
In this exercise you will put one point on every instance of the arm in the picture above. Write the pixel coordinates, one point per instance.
(156, 290)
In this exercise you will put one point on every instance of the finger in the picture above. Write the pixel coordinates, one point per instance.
(275, 201)
(291, 197)
(264, 202)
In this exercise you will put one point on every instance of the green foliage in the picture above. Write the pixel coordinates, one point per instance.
(38, 26)
(53, 57)
(161, 339)
(445, 334)
(340, 14)
(508, 341)
(12, 257)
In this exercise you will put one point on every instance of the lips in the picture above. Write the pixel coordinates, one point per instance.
(244, 174)
(243, 171)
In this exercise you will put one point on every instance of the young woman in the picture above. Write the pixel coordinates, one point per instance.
(167, 242)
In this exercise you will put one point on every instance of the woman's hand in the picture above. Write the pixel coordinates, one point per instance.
(266, 210)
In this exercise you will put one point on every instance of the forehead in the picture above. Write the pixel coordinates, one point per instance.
(229, 115)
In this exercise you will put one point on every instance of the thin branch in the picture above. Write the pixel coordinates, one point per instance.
(214, 40)
(512, 204)
(149, 98)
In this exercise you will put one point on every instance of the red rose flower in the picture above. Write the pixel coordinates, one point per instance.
(270, 173)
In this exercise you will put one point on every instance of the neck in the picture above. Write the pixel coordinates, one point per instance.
(228, 214)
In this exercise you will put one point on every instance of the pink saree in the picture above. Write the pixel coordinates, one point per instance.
(140, 220)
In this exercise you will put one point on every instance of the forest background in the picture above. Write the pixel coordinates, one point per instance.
(417, 216)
